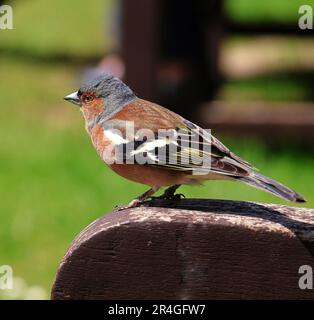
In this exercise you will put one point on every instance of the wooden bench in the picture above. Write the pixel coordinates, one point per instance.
(191, 249)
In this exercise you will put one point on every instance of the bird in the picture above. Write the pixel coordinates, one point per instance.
(152, 145)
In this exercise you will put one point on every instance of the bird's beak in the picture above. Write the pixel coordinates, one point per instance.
(74, 98)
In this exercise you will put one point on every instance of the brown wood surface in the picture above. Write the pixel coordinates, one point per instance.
(139, 47)
(190, 249)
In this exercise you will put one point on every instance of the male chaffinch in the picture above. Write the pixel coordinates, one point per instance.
(111, 109)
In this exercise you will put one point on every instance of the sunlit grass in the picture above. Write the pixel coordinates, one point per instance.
(264, 10)
(74, 27)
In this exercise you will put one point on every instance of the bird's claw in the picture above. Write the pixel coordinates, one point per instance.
(134, 203)
(178, 196)
(117, 208)
(166, 196)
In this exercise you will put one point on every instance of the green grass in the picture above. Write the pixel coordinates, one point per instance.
(72, 27)
(53, 184)
(256, 11)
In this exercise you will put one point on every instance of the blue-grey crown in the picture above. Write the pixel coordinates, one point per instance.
(116, 94)
(105, 84)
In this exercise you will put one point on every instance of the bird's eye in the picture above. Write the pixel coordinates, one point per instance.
(88, 98)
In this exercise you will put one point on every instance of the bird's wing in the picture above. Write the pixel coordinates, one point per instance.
(174, 143)
(187, 148)
(217, 147)
(193, 150)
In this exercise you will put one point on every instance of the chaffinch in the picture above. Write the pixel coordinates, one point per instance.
(149, 144)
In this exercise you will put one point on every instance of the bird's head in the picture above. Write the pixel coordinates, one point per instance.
(101, 97)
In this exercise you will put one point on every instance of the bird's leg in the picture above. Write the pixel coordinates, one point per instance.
(137, 201)
(169, 194)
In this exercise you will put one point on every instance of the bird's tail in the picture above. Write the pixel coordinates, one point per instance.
(259, 181)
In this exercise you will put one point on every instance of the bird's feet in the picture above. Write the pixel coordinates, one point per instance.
(137, 201)
(134, 203)
(177, 196)
(169, 194)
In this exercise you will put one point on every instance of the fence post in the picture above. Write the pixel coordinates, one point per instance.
(191, 249)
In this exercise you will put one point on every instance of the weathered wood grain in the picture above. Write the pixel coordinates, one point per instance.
(190, 249)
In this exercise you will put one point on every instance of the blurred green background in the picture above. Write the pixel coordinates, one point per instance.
(53, 184)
